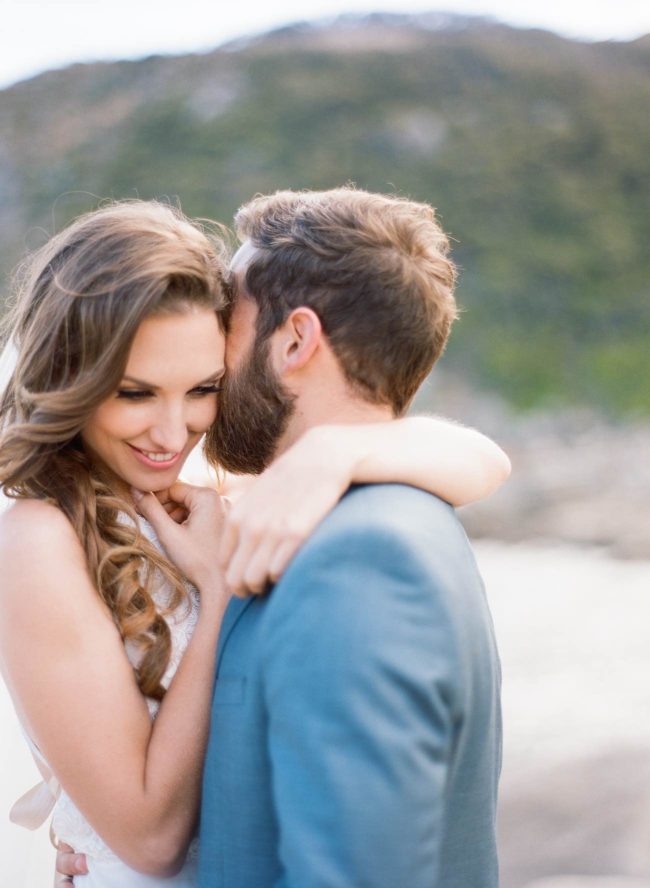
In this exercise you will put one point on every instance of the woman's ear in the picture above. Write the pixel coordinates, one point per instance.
(301, 335)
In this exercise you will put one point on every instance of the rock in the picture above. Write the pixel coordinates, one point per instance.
(576, 477)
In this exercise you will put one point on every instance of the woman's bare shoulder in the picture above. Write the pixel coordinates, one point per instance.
(29, 521)
(36, 542)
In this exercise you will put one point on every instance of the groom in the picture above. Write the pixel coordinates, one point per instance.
(356, 737)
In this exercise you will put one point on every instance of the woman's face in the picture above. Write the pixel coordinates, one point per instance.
(165, 402)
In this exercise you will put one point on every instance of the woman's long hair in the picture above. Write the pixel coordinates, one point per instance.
(78, 304)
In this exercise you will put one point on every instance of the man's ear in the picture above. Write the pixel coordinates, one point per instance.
(300, 336)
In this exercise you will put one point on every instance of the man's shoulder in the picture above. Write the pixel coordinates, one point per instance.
(397, 512)
(387, 557)
(384, 529)
(360, 496)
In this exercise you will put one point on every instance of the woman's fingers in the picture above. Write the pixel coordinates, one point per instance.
(178, 514)
(259, 555)
(256, 571)
(187, 495)
(246, 545)
(155, 513)
(69, 864)
(229, 539)
(282, 556)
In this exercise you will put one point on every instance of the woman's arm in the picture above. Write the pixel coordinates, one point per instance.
(456, 463)
(272, 518)
(137, 782)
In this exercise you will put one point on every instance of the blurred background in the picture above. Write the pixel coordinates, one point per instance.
(529, 131)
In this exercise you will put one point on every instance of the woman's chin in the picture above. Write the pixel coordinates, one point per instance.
(156, 483)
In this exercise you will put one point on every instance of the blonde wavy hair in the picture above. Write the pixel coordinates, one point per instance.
(79, 301)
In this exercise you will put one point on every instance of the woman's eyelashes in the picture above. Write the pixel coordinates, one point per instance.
(142, 394)
(133, 394)
(206, 390)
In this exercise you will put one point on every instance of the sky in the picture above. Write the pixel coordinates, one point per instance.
(37, 35)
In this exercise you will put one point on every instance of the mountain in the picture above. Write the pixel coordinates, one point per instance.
(535, 150)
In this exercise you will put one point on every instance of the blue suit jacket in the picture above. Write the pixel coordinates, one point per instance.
(356, 732)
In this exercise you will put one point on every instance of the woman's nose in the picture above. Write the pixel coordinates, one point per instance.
(170, 431)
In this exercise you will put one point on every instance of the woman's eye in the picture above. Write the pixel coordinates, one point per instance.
(133, 394)
(202, 390)
(141, 394)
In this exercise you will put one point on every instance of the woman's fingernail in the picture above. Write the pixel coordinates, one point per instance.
(137, 494)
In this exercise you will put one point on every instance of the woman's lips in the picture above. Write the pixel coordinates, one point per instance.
(141, 456)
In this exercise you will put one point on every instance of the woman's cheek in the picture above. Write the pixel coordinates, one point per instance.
(132, 420)
(205, 415)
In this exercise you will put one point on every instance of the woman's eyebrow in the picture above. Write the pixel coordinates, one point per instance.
(215, 377)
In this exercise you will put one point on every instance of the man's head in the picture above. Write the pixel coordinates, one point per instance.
(363, 281)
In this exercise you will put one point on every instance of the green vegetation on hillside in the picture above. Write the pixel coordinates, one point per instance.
(534, 149)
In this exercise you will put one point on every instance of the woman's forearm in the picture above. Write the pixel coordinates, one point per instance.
(171, 783)
(456, 463)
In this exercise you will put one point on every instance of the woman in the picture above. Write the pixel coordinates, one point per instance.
(119, 356)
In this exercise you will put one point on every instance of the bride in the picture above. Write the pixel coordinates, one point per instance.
(119, 352)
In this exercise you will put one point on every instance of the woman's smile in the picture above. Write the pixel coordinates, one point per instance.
(155, 459)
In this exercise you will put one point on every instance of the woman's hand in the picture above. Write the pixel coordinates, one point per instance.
(267, 525)
(68, 865)
(192, 545)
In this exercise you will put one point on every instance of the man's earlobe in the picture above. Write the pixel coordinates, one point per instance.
(303, 333)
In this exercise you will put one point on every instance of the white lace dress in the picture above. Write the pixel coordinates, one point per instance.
(106, 870)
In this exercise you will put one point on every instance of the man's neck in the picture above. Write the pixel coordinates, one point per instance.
(328, 411)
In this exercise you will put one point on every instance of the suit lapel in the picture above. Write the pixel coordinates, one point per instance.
(235, 609)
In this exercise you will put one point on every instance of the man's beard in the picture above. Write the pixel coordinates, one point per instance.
(253, 413)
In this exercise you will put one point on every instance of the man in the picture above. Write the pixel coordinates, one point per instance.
(355, 737)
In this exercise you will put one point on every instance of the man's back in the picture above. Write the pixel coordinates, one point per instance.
(356, 733)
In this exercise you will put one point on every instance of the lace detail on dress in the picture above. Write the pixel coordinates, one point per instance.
(69, 825)
(68, 822)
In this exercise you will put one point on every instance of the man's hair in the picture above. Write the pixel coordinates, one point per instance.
(373, 267)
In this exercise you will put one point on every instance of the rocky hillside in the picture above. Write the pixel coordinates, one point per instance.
(535, 149)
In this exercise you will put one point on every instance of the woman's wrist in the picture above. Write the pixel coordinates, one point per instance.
(342, 448)
(213, 599)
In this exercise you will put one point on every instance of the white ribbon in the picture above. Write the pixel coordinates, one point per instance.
(33, 809)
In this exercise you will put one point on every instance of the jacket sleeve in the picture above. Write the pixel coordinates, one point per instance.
(359, 675)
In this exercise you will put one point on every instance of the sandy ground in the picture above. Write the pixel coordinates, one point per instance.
(574, 632)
